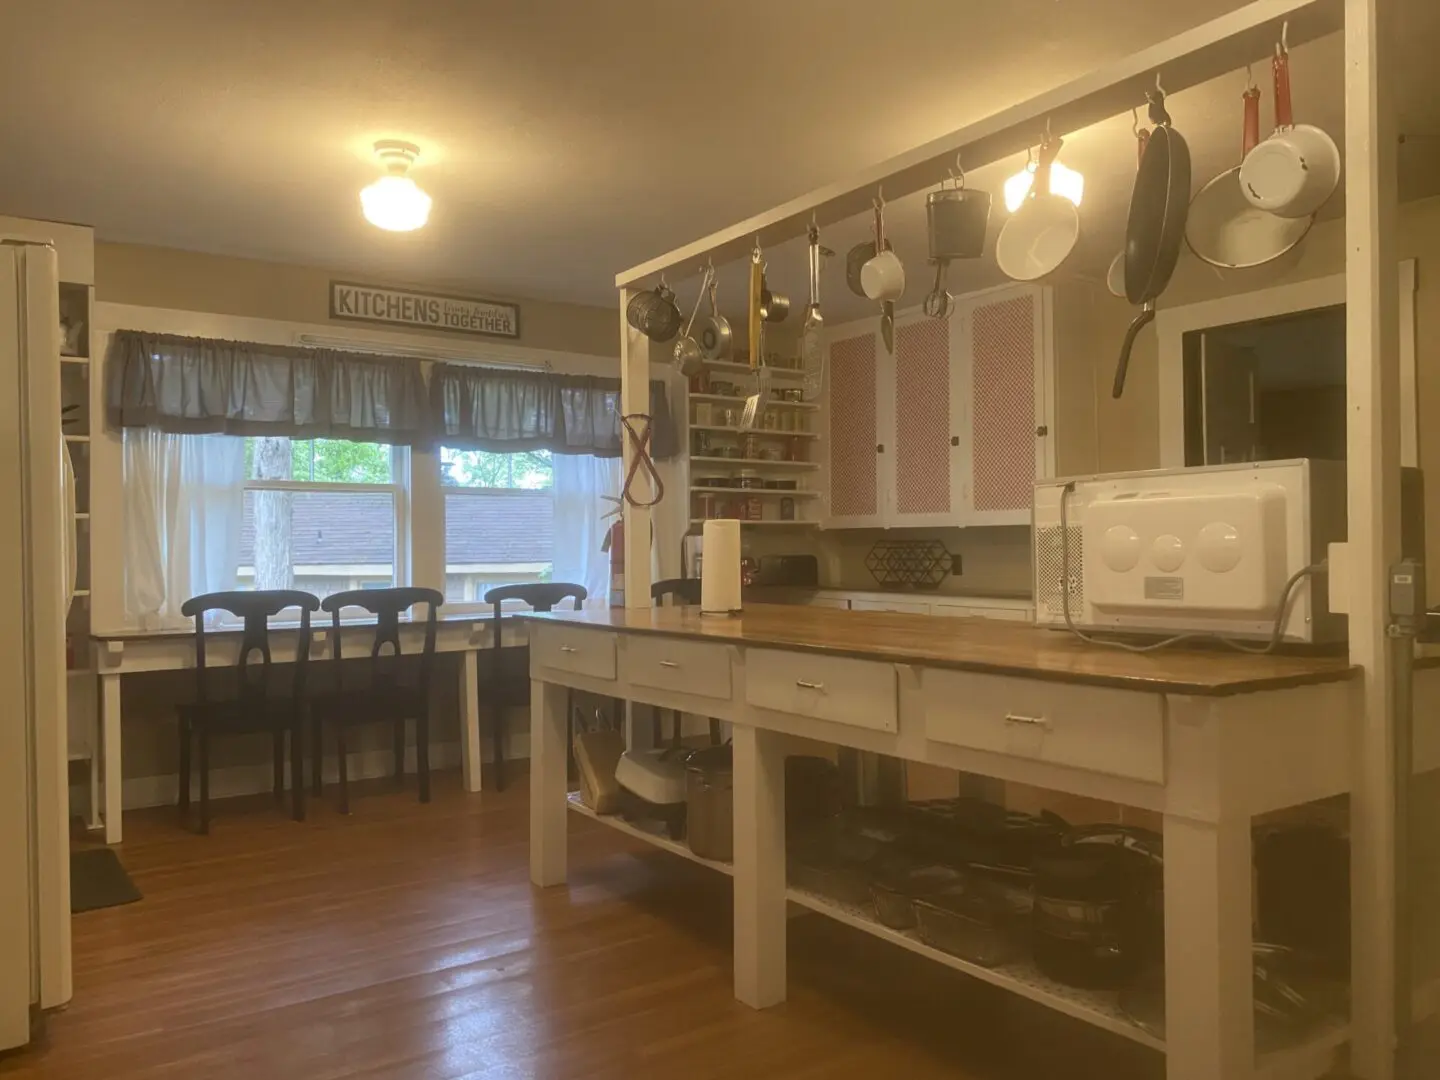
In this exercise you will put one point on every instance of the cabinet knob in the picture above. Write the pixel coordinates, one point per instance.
(1042, 431)
(879, 448)
(954, 440)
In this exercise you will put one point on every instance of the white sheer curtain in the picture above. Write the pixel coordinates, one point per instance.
(184, 496)
(580, 484)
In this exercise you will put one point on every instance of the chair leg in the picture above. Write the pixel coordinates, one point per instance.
(341, 756)
(277, 762)
(297, 767)
(399, 753)
(185, 770)
(572, 767)
(317, 756)
(204, 735)
(422, 753)
(714, 732)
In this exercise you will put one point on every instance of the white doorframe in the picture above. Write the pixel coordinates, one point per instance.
(1173, 324)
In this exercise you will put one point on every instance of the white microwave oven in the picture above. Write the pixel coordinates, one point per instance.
(1196, 550)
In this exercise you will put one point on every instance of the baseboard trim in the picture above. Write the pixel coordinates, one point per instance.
(141, 792)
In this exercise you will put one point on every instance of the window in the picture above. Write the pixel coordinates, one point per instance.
(322, 515)
(499, 514)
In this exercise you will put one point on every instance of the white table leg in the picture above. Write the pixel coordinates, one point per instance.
(759, 867)
(548, 730)
(470, 717)
(110, 746)
(1209, 994)
(95, 819)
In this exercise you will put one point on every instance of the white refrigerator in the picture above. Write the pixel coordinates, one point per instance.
(36, 587)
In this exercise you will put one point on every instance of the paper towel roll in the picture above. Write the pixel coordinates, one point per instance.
(720, 572)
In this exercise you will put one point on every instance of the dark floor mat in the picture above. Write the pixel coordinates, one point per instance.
(97, 880)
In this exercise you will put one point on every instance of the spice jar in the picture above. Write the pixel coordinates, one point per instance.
(787, 509)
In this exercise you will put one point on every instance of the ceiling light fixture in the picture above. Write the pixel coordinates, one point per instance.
(395, 202)
(1063, 181)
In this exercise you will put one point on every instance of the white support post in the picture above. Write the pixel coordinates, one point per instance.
(548, 827)
(759, 866)
(1373, 448)
(635, 398)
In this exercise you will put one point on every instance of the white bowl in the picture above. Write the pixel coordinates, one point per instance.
(1038, 237)
(883, 277)
(1225, 229)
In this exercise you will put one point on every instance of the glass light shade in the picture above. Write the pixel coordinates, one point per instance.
(395, 203)
(1063, 181)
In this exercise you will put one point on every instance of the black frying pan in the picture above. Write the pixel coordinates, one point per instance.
(1155, 229)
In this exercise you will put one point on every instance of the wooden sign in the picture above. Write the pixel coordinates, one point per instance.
(353, 302)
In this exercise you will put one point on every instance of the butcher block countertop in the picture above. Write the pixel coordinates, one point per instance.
(982, 645)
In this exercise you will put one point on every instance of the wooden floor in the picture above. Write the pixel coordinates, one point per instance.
(406, 942)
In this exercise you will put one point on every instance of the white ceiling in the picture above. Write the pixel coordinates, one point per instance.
(564, 140)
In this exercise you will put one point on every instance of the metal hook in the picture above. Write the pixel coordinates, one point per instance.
(1159, 87)
(1134, 121)
(880, 197)
(1285, 36)
(960, 168)
(1250, 77)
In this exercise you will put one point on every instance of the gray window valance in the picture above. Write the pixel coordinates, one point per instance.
(201, 386)
(478, 408)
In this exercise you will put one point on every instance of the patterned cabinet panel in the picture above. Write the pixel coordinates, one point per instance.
(852, 429)
(1005, 341)
(924, 459)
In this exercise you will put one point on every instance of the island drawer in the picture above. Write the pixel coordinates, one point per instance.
(686, 667)
(859, 693)
(1102, 729)
(580, 652)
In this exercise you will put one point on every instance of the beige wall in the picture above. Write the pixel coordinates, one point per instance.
(189, 281)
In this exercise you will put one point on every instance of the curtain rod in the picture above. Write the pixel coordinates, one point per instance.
(419, 352)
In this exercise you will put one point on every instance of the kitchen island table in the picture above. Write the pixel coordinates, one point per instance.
(1207, 739)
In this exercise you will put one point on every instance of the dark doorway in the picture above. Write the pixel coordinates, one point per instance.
(1266, 390)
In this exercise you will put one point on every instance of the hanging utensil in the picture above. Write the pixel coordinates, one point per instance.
(1115, 276)
(755, 403)
(1155, 229)
(883, 277)
(1225, 229)
(776, 305)
(1296, 170)
(812, 336)
(715, 336)
(1040, 235)
(956, 219)
(653, 313)
(689, 357)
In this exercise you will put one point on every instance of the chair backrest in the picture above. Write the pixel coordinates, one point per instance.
(386, 605)
(256, 608)
(683, 590)
(540, 595)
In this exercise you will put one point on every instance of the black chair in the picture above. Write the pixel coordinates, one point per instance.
(387, 697)
(683, 592)
(253, 708)
(686, 591)
(511, 689)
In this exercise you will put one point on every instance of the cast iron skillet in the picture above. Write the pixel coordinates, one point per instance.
(1155, 229)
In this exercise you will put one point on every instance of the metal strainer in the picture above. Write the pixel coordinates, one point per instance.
(653, 313)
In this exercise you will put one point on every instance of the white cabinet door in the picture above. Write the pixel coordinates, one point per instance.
(926, 403)
(1002, 349)
(855, 453)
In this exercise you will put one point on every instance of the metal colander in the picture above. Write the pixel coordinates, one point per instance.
(654, 314)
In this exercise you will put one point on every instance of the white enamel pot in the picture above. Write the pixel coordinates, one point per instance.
(1296, 170)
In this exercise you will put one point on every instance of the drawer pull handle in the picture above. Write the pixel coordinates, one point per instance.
(806, 684)
(669, 664)
(567, 648)
(1034, 721)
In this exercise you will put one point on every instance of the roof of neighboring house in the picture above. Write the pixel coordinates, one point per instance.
(347, 528)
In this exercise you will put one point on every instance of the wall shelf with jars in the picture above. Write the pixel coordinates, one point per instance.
(760, 477)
